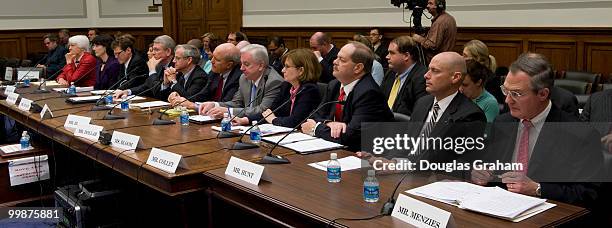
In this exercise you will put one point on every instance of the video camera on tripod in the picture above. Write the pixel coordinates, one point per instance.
(417, 7)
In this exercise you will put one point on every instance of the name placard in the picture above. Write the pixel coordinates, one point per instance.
(73, 121)
(11, 98)
(164, 160)
(88, 131)
(125, 141)
(245, 170)
(27, 73)
(28, 170)
(44, 111)
(9, 89)
(8, 74)
(420, 214)
(25, 104)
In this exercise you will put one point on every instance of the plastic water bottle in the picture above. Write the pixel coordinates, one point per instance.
(371, 189)
(26, 82)
(255, 133)
(333, 169)
(184, 116)
(72, 89)
(25, 140)
(108, 99)
(125, 106)
(226, 125)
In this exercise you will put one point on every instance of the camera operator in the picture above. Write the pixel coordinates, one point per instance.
(443, 32)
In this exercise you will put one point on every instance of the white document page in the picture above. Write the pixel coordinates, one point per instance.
(346, 164)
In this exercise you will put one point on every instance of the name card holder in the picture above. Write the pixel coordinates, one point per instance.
(9, 89)
(165, 160)
(420, 214)
(88, 131)
(46, 113)
(246, 171)
(25, 104)
(73, 121)
(126, 141)
(11, 98)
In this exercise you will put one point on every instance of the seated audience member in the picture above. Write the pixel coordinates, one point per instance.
(63, 35)
(301, 72)
(198, 44)
(223, 82)
(564, 100)
(235, 37)
(598, 110)
(55, 59)
(478, 51)
(80, 64)
(472, 88)
(259, 86)
(380, 48)
(209, 41)
(326, 52)
(150, 52)
(186, 78)
(92, 33)
(445, 113)
(377, 69)
(404, 83)
(131, 64)
(163, 47)
(107, 66)
(276, 50)
(242, 44)
(363, 101)
(557, 161)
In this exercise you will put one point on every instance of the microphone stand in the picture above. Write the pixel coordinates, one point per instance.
(110, 116)
(269, 158)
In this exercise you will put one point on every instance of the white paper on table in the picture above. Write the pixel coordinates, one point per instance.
(346, 164)
(312, 145)
(151, 104)
(266, 129)
(450, 192)
(293, 137)
(131, 98)
(13, 148)
(49, 83)
(201, 118)
(78, 89)
(85, 98)
(502, 203)
(100, 92)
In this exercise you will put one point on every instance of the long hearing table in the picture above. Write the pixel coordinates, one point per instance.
(297, 195)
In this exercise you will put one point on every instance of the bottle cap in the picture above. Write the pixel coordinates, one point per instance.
(333, 156)
(371, 172)
(24, 133)
(225, 115)
(254, 122)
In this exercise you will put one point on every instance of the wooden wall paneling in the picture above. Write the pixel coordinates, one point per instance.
(217, 9)
(190, 10)
(562, 55)
(170, 17)
(219, 28)
(10, 47)
(189, 30)
(599, 59)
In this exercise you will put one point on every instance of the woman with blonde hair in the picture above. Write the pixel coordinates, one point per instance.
(478, 51)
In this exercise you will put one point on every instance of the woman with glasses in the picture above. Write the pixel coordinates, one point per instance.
(299, 93)
(107, 66)
(473, 88)
(80, 64)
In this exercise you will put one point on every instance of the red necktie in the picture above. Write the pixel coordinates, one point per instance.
(338, 114)
(219, 89)
(523, 151)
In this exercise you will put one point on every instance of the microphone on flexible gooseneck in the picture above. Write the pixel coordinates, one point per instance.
(239, 145)
(42, 87)
(110, 116)
(229, 134)
(277, 159)
(98, 106)
(27, 72)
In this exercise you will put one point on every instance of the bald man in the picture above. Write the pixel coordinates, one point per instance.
(223, 85)
(326, 52)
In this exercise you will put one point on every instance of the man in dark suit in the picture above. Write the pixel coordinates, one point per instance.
(259, 86)
(276, 50)
(163, 50)
(404, 84)
(222, 83)
(326, 52)
(55, 59)
(186, 78)
(548, 152)
(363, 101)
(132, 64)
(380, 48)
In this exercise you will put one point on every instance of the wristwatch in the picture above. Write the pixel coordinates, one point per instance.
(539, 190)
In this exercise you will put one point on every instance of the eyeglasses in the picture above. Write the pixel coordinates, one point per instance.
(515, 95)
(374, 34)
(181, 58)
(118, 53)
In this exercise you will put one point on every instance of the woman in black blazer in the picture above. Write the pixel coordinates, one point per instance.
(299, 94)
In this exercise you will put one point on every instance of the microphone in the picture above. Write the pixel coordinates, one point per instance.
(239, 145)
(388, 206)
(30, 70)
(98, 107)
(160, 121)
(110, 116)
(229, 134)
(42, 88)
(277, 159)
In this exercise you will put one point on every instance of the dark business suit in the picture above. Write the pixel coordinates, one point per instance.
(154, 79)
(306, 100)
(462, 118)
(412, 89)
(229, 87)
(137, 70)
(564, 100)
(270, 88)
(365, 103)
(55, 60)
(598, 108)
(569, 153)
(382, 51)
(108, 77)
(328, 65)
(197, 82)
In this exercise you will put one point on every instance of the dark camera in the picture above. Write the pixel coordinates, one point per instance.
(410, 4)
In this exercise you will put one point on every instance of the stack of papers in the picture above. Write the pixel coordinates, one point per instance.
(492, 201)
(151, 104)
(49, 83)
(13, 148)
(266, 129)
(78, 89)
(346, 164)
(100, 92)
(202, 119)
(303, 143)
(85, 98)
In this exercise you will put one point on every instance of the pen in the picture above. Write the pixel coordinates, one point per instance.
(229, 113)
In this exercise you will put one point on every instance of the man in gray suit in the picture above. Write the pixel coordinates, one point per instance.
(259, 86)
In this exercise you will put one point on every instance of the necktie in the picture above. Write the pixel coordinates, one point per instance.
(523, 151)
(253, 93)
(394, 91)
(219, 91)
(432, 121)
(338, 114)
